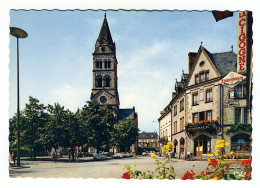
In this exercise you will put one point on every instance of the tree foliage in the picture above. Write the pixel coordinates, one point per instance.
(45, 127)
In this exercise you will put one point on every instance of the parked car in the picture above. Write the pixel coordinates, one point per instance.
(145, 154)
(99, 156)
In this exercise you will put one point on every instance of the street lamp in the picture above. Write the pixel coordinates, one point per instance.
(18, 33)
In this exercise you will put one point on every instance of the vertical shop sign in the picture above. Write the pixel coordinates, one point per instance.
(242, 42)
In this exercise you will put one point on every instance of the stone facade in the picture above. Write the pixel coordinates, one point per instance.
(202, 109)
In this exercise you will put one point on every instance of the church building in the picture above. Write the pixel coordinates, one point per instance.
(105, 80)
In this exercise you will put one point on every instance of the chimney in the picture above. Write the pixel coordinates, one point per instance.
(162, 112)
(192, 56)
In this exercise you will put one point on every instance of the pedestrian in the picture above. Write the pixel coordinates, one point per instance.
(13, 157)
(10, 159)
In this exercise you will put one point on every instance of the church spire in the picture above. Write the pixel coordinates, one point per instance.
(105, 38)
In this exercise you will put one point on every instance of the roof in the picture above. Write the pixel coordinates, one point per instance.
(105, 39)
(105, 33)
(124, 114)
(225, 62)
(148, 135)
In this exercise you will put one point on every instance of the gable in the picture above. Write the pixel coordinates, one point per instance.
(200, 67)
(111, 99)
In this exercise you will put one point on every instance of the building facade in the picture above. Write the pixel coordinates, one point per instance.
(204, 110)
(148, 139)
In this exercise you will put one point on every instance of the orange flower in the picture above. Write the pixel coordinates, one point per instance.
(245, 162)
(134, 155)
(126, 175)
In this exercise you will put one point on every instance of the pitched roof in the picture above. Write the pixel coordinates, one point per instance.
(105, 35)
(148, 135)
(225, 62)
(124, 114)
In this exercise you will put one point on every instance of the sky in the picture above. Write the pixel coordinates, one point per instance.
(152, 51)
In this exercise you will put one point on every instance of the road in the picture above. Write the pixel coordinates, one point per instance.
(112, 168)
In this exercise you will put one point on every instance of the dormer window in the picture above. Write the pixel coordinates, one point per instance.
(202, 77)
(196, 79)
(206, 75)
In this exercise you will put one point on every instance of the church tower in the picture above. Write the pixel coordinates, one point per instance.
(105, 89)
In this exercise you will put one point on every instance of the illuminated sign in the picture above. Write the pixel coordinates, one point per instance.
(232, 79)
(242, 42)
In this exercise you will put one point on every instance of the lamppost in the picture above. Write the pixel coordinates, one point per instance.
(18, 33)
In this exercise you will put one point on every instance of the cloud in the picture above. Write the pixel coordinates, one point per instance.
(70, 96)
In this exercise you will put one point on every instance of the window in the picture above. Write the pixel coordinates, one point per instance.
(202, 77)
(209, 115)
(107, 64)
(206, 75)
(99, 64)
(195, 117)
(99, 82)
(238, 115)
(238, 91)
(246, 115)
(244, 91)
(209, 95)
(175, 110)
(182, 105)
(175, 127)
(182, 124)
(195, 99)
(107, 81)
(196, 79)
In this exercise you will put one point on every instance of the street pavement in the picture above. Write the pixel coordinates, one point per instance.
(87, 168)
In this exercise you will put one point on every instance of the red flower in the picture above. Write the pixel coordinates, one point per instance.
(213, 163)
(229, 165)
(188, 175)
(134, 155)
(245, 162)
(126, 175)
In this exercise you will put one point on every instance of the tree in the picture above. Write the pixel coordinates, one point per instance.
(98, 124)
(126, 134)
(36, 118)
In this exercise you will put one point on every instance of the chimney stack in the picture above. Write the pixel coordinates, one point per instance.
(192, 56)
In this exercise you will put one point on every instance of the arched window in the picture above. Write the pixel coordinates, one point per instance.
(107, 81)
(100, 64)
(108, 64)
(99, 81)
(105, 64)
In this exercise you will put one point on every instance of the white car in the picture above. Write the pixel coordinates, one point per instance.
(99, 156)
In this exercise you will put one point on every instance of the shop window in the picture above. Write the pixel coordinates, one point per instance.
(209, 97)
(195, 99)
(241, 142)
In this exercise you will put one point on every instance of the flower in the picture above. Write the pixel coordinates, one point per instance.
(215, 178)
(245, 162)
(217, 152)
(153, 155)
(134, 155)
(213, 163)
(188, 175)
(126, 175)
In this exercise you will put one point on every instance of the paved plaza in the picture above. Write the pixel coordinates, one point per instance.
(111, 168)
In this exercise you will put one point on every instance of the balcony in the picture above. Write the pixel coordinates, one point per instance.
(208, 125)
